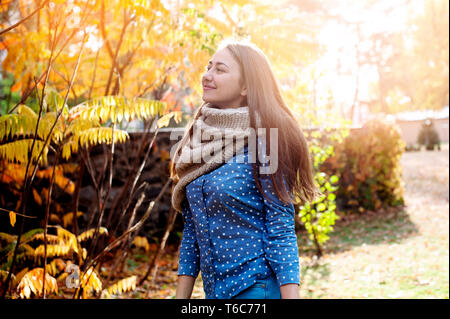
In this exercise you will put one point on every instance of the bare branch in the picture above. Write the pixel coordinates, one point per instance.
(135, 227)
(114, 66)
(15, 25)
(153, 266)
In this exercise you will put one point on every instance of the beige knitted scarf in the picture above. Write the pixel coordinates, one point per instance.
(212, 144)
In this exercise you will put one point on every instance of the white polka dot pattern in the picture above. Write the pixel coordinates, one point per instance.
(234, 235)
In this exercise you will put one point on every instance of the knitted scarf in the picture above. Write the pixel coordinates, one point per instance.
(212, 144)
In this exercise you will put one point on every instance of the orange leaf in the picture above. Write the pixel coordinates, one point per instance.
(16, 87)
(37, 198)
(12, 218)
(6, 43)
(169, 98)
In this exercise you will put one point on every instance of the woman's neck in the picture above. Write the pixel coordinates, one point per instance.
(225, 107)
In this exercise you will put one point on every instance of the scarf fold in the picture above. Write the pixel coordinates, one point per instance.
(212, 144)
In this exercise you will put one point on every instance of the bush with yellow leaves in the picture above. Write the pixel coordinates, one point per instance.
(32, 283)
(89, 283)
(64, 243)
(123, 285)
(90, 233)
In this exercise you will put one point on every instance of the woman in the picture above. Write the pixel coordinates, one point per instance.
(239, 218)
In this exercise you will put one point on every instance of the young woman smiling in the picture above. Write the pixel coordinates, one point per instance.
(239, 220)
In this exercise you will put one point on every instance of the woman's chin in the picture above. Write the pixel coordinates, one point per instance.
(207, 99)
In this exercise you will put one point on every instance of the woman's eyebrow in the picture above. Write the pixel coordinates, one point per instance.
(218, 62)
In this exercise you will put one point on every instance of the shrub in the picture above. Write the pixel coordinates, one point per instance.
(367, 163)
(428, 136)
(319, 216)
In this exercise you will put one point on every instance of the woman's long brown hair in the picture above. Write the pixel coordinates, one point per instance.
(264, 96)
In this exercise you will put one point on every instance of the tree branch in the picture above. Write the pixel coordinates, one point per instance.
(15, 25)
(114, 65)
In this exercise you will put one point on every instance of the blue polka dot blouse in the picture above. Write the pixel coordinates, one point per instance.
(234, 235)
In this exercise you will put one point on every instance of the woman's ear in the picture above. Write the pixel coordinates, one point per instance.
(244, 91)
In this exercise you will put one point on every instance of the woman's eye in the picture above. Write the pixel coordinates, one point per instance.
(218, 70)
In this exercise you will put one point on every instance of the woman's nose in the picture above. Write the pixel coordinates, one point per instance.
(207, 76)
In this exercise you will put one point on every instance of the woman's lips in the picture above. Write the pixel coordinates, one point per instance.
(206, 88)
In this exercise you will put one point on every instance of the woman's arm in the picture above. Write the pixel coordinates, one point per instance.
(281, 246)
(185, 287)
(289, 291)
(189, 260)
(280, 241)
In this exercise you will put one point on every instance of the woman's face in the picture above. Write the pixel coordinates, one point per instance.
(221, 82)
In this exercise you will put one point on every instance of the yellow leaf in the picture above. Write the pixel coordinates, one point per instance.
(32, 282)
(89, 233)
(37, 198)
(90, 282)
(165, 120)
(141, 242)
(12, 218)
(124, 285)
(50, 238)
(178, 117)
(68, 218)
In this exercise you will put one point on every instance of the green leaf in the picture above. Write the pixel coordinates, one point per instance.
(334, 179)
(321, 207)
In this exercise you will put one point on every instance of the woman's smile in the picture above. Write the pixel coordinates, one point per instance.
(223, 75)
